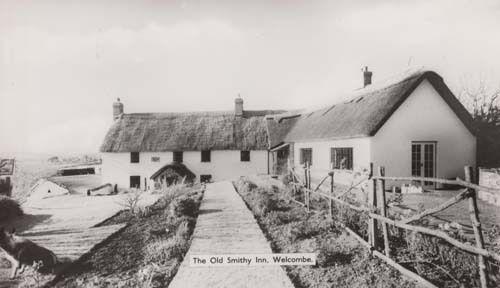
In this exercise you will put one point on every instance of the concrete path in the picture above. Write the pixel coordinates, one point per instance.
(226, 226)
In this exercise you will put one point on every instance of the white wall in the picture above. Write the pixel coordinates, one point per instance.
(424, 116)
(321, 155)
(226, 164)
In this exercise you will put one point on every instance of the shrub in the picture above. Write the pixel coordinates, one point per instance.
(185, 228)
(336, 251)
(163, 251)
(314, 225)
(9, 208)
(183, 206)
(284, 217)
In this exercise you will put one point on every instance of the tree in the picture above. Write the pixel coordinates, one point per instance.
(484, 105)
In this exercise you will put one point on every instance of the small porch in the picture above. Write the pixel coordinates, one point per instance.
(172, 174)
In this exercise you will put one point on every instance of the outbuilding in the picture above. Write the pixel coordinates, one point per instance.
(412, 125)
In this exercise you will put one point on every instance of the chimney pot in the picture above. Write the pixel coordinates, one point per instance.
(117, 109)
(238, 107)
(367, 77)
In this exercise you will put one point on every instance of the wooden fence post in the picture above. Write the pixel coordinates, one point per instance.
(476, 225)
(308, 174)
(330, 201)
(383, 211)
(372, 224)
(305, 184)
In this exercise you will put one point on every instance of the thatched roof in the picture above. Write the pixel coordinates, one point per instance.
(361, 116)
(195, 131)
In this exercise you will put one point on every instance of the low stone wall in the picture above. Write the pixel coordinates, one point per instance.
(489, 178)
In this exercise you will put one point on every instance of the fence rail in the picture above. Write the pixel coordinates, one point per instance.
(377, 211)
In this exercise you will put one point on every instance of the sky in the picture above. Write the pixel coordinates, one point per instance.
(63, 63)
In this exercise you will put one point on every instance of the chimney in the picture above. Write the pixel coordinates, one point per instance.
(117, 109)
(238, 107)
(367, 77)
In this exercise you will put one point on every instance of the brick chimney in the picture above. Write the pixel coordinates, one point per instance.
(238, 107)
(117, 109)
(367, 77)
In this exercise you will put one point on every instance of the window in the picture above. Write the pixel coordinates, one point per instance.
(178, 156)
(205, 156)
(341, 158)
(306, 155)
(135, 182)
(134, 157)
(155, 159)
(245, 156)
(205, 178)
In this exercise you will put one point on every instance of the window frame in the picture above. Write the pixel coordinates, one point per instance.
(135, 157)
(206, 156)
(337, 152)
(135, 177)
(302, 155)
(245, 156)
(176, 158)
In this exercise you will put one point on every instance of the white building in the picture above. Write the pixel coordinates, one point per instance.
(211, 145)
(413, 126)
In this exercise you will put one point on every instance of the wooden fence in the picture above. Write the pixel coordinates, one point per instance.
(377, 212)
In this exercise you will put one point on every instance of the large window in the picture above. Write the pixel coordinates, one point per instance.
(306, 156)
(245, 156)
(341, 158)
(178, 156)
(135, 182)
(205, 156)
(134, 157)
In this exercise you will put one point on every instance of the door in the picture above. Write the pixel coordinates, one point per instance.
(423, 161)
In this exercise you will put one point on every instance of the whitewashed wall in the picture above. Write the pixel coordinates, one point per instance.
(117, 169)
(321, 155)
(424, 116)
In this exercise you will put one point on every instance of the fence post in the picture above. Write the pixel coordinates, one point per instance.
(383, 211)
(330, 201)
(308, 186)
(372, 223)
(476, 225)
(305, 184)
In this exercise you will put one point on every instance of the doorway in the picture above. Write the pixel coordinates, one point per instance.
(423, 161)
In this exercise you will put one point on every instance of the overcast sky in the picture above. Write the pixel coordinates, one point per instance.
(63, 63)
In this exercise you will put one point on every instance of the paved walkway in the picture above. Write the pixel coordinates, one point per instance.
(226, 226)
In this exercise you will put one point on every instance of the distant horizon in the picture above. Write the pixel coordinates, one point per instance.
(63, 63)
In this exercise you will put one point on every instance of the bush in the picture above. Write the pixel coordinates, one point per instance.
(336, 251)
(284, 217)
(163, 251)
(183, 206)
(9, 208)
(185, 228)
